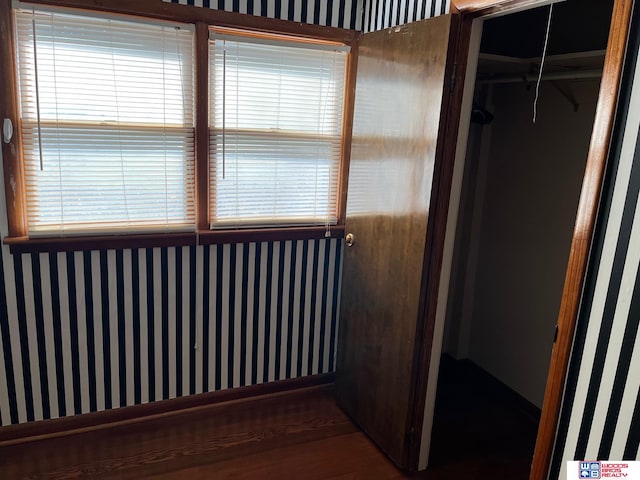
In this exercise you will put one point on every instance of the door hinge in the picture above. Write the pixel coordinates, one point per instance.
(555, 334)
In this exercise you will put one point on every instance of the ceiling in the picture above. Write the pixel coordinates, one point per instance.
(576, 26)
(512, 44)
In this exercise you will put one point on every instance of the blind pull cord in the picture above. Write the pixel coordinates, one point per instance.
(35, 67)
(544, 54)
(123, 176)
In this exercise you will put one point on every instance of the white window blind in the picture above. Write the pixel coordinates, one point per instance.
(107, 121)
(276, 111)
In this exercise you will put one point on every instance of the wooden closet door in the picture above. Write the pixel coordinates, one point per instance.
(400, 87)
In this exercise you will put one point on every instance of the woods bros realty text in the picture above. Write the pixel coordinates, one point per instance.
(596, 469)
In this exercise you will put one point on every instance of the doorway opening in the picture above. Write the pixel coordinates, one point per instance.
(519, 196)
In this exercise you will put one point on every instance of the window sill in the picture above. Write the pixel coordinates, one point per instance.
(19, 245)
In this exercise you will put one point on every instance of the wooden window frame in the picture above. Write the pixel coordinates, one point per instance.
(203, 19)
(284, 136)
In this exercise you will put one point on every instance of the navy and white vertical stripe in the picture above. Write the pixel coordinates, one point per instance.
(365, 15)
(600, 416)
(381, 14)
(88, 331)
(332, 13)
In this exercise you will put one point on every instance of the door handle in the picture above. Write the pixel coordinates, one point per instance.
(349, 239)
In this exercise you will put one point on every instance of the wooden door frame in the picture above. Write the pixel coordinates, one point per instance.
(468, 11)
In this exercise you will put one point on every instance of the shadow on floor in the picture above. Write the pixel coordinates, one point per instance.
(481, 429)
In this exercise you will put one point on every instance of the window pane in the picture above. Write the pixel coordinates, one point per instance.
(276, 126)
(267, 180)
(137, 173)
(107, 110)
(273, 87)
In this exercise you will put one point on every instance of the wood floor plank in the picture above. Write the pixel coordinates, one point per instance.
(349, 456)
(299, 435)
(171, 443)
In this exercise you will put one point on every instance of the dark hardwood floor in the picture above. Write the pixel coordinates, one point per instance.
(482, 429)
(301, 435)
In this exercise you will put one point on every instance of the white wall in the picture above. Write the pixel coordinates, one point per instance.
(519, 238)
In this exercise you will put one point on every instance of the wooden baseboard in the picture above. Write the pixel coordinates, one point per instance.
(58, 427)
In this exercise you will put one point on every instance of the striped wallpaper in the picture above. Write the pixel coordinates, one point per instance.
(88, 331)
(333, 13)
(365, 15)
(600, 416)
(381, 14)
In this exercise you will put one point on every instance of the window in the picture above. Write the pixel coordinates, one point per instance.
(138, 129)
(107, 121)
(275, 119)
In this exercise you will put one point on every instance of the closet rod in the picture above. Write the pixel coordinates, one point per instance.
(575, 75)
